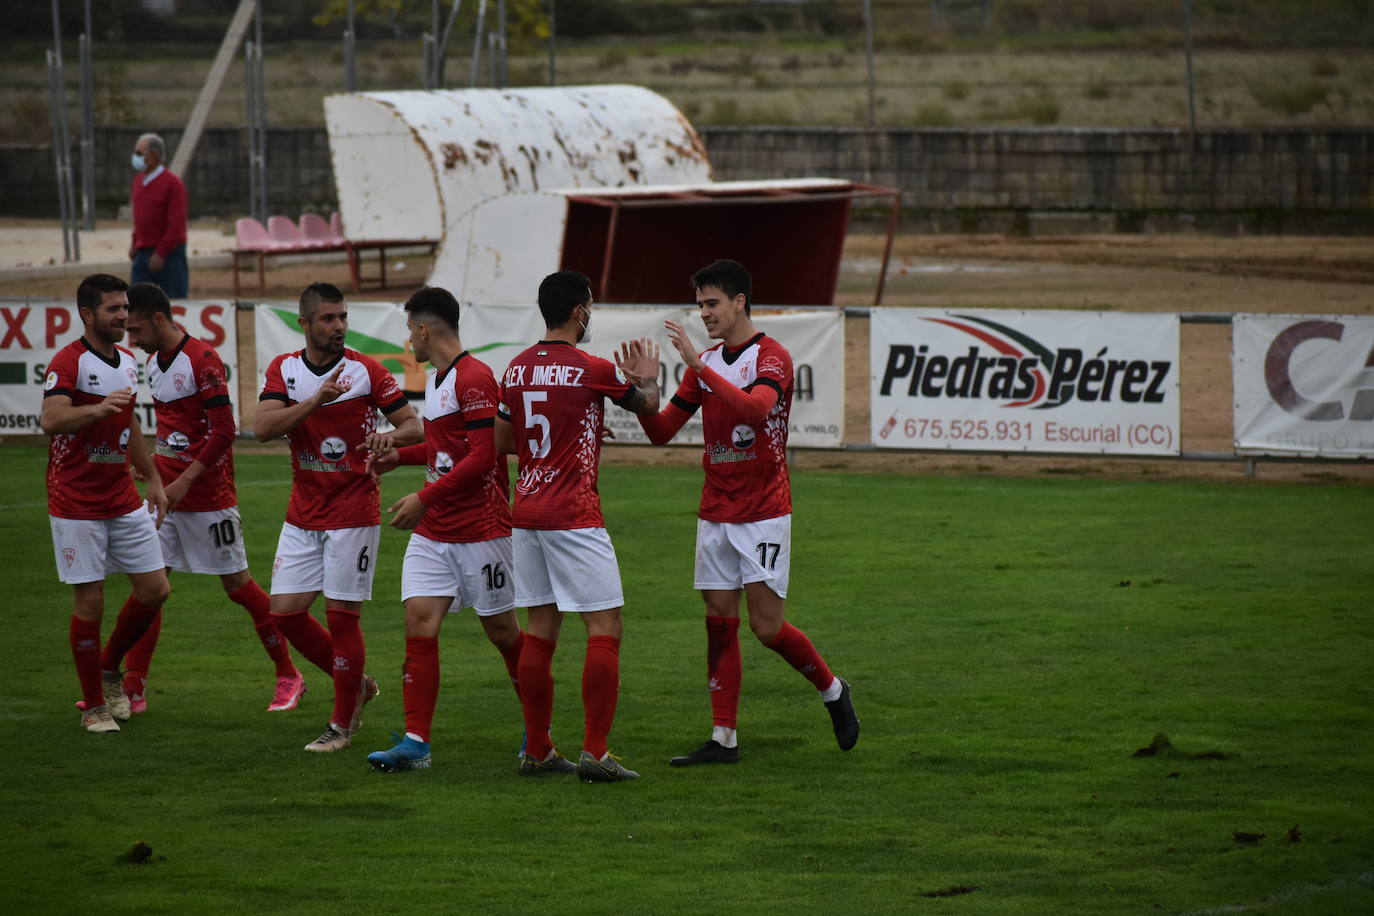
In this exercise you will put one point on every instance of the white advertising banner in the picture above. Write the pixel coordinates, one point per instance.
(815, 338)
(1041, 381)
(1304, 385)
(496, 333)
(32, 332)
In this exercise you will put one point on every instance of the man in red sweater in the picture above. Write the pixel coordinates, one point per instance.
(158, 248)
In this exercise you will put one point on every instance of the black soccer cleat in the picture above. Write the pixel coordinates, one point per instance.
(843, 718)
(710, 752)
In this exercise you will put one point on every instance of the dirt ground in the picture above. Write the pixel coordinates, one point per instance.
(1188, 274)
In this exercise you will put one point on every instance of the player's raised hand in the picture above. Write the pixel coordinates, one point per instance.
(677, 336)
(638, 359)
(114, 402)
(407, 512)
(331, 388)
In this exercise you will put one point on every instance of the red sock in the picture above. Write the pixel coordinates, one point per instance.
(793, 645)
(420, 683)
(140, 658)
(600, 690)
(536, 693)
(85, 639)
(511, 656)
(304, 632)
(259, 606)
(345, 628)
(134, 620)
(723, 668)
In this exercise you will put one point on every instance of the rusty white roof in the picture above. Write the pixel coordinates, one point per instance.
(411, 165)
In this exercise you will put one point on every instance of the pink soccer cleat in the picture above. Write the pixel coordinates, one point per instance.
(288, 693)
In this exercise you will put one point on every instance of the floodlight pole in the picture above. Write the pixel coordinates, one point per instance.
(350, 54)
(477, 42)
(87, 127)
(501, 43)
(442, 52)
(66, 192)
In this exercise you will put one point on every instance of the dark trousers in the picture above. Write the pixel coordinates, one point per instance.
(175, 278)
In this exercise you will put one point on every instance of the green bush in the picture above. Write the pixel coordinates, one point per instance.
(1291, 99)
(933, 115)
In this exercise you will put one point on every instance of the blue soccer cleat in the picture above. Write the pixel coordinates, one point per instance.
(408, 754)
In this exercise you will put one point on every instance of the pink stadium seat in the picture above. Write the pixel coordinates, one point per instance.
(317, 232)
(284, 233)
(249, 235)
(336, 226)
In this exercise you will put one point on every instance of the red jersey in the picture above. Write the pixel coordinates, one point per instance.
(88, 470)
(746, 466)
(553, 395)
(329, 489)
(194, 421)
(467, 491)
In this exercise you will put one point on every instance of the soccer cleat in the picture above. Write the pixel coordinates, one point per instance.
(710, 752)
(288, 694)
(408, 754)
(843, 718)
(112, 685)
(333, 739)
(607, 769)
(367, 692)
(99, 721)
(138, 704)
(555, 764)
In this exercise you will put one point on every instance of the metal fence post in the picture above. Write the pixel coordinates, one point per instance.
(350, 54)
(87, 127)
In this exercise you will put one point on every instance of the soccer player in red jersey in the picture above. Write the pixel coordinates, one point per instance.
(552, 402)
(325, 399)
(460, 553)
(743, 387)
(195, 461)
(99, 525)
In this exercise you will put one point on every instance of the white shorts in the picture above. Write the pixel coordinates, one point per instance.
(339, 563)
(574, 568)
(475, 575)
(732, 554)
(204, 542)
(88, 550)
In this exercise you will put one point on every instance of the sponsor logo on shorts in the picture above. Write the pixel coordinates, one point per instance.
(276, 565)
(69, 554)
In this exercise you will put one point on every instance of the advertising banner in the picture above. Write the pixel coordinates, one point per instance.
(1041, 381)
(1304, 385)
(32, 332)
(496, 333)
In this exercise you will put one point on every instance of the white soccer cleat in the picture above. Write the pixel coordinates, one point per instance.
(112, 686)
(333, 739)
(99, 721)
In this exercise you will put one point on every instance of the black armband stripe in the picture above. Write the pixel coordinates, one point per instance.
(483, 423)
(626, 397)
(274, 396)
(67, 391)
(768, 382)
(219, 400)
(683, 404)
(395, 405)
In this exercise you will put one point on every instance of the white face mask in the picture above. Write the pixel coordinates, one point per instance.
(138, 163)
(586, 328)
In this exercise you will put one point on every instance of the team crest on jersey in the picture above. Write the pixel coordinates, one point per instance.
(179, 380)
(124, 440)
(69, 554)
(333, 449)
(444, 398)
(133, 376)
(742, 437)
(50, 382)
(344, 381)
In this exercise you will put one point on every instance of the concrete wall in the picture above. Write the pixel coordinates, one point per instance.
(1327, 174)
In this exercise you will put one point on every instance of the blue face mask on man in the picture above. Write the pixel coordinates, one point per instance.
(138, 163)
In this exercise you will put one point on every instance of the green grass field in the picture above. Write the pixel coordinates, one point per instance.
(1011, 644)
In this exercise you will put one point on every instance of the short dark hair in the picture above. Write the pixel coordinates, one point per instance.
(560, 293)
(316, 293)
(148, 299)
(93, 289)
(729, 277)
(434, 301)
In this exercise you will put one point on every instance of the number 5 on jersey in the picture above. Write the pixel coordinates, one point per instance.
(538, 448)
